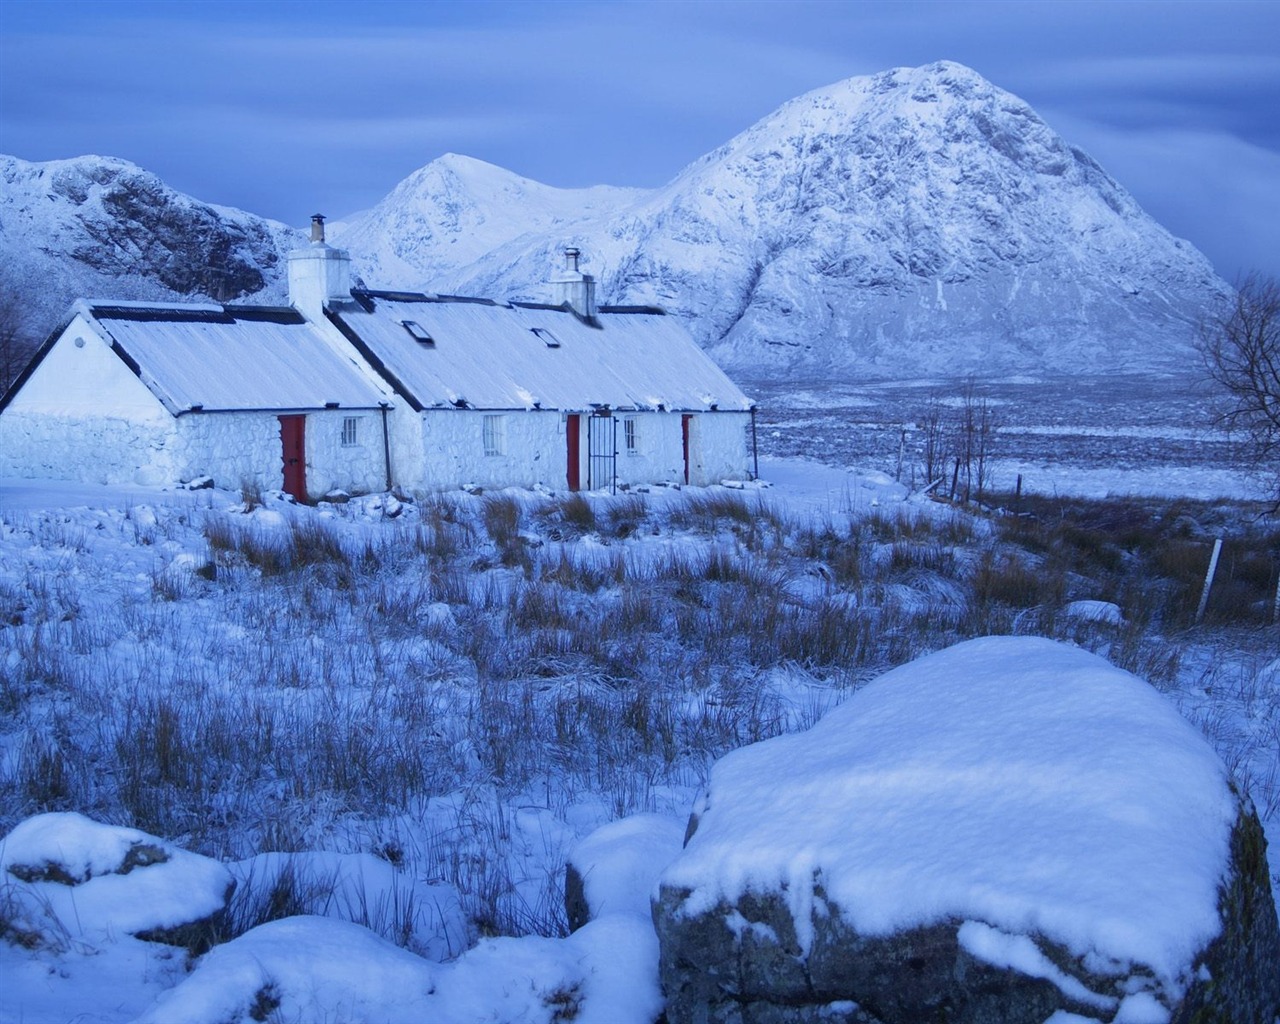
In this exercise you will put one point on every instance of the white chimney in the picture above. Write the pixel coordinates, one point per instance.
(573, 288)
(318, 274)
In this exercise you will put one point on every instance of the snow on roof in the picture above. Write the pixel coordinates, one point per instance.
(496, 356)
(225, 358)
(1016, 782)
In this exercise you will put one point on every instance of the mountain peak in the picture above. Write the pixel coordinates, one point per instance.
(916, 220)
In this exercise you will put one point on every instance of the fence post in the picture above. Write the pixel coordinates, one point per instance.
(1208, 578)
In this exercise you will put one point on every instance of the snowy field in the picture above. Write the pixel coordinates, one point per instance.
(407, 714)
(1086, 436)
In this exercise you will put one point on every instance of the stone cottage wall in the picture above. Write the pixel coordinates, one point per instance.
(93, 449)
(235, 448)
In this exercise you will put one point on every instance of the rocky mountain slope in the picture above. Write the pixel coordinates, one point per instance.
(103, 227)
(915, 221)
(918, 220)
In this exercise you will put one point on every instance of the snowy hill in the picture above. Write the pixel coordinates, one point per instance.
(456, 210)
(99, 226)
(919, 219)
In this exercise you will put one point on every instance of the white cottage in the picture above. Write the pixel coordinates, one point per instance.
(362, 390)
(159, 394)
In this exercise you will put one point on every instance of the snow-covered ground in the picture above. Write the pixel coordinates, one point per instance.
(1092, 437)
(407, 714)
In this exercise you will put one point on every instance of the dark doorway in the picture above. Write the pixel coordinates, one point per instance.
(573, 438)
(685, 422)
(293, 447)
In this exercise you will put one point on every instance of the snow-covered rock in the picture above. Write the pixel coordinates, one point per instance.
(1105, 612)
(1011, 828)
(316, 969)
(300, 968)
(921, 219)
(68, 876)
(614, 870)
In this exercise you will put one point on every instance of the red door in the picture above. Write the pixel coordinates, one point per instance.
(573, 439)
(294, 453)
(684, 437)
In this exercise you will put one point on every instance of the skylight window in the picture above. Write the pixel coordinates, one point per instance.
(551, 340)
(419, 333)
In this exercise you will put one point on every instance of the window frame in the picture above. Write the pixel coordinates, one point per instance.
(350, 437)
(493, 435)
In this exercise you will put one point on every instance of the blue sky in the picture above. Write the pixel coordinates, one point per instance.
(286, 108)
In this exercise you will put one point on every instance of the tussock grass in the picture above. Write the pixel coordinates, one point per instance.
(333, 672)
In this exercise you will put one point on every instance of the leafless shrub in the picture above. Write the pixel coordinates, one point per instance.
(1240, 347)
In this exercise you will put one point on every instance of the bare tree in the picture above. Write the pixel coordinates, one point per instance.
(976, 431)
(1240, 346)
(958, 440)
(18, 338)
(934, 453)
(14, 352)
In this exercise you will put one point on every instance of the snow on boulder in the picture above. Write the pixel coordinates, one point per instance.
(70, 876)
(615, 868)
(1008, 830)
(304, 969)
(318, 969)
(1095, 611)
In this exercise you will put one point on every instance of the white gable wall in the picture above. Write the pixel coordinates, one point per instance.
(84, 415)
(80, 375)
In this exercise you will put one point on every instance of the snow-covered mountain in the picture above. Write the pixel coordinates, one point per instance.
(917, 220)
(456, 210)
(103, 227)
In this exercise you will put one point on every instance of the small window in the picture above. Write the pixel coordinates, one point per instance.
(419, 333)
(350, 431)
(550, 339)
(631, 435)
(495, 435)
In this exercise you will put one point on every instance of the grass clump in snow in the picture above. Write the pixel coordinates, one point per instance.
(338, 674)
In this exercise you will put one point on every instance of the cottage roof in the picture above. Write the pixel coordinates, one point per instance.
(441, 351)
(219, 358)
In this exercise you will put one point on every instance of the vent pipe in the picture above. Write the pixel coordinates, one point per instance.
(317, 227)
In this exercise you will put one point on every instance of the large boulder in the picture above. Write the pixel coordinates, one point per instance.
(1008, 831)
(69, 877)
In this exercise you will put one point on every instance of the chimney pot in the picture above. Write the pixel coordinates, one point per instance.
(317, 227)
(573, 288)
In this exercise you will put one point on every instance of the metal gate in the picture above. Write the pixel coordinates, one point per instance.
(602, 452)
